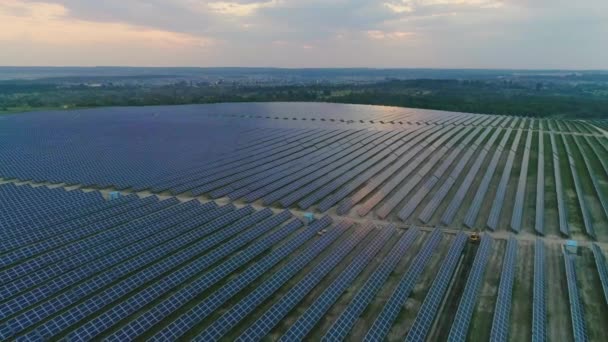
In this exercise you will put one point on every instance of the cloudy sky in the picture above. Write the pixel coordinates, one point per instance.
(307, 33)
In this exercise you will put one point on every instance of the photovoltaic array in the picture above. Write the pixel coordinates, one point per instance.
(417, 166)
(192, 223)
(539, 306)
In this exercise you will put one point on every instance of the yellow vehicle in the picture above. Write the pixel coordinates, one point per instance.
(474, 238)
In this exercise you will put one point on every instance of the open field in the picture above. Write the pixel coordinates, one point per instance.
(207, 240)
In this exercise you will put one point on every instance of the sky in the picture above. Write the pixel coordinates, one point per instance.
(515, 34)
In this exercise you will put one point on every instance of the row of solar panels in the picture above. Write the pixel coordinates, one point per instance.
(539, 219)
(101, 148)
(603, 124)
(104, 150)
(426, 117)
(574, 148)
(161, 269)
(577, 309)
(392, 171)
(20, 205)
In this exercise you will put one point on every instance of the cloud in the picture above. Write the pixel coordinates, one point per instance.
(38, 33)
(239, 9)
(381, 35)
(45, 23)
(399, 7)
(418, 33)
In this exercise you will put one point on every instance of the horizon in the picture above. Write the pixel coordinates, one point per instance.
(312, 34)
(287, 68)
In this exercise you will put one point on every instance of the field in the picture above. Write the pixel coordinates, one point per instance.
(208, 238)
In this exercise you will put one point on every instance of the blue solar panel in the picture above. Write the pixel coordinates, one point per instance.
(473, 211)
(198, 286)
(146, 295)
(45, 224)
(398, 172)
(428, 311)
(458, 198)
(578, 187)
(502, 310)
(501, 192)
(239, 311)
(539, 222)
(286, 303)
(593, 175)
(83, 271)
(26, 242)
(435, 152)
(602, 268)
(215, 300)
(539, 316)
(577, 314)
(460, 326)
(123, 157)
(94, 245)
(559, 189)
(307, 321)
(113, 293)
(439, 196)
(395, 303)
(518, 206)
(290, 184)
(348, 317)
(338, 175)
(415, 200)
(24, 205)
(77, 266)
(380, 157)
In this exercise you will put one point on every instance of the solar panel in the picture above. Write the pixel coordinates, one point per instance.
(75, 245)
(215, 300)
(502, 310)
(355, 166)
(594, 179)
(431, 180)
(518, 207)
(307, 321)
(69, 218)
(188, 291)
(290, 184)
(77, 266)
(539, 316)
(559, 189)
(72, 277)
(285, 304)
(240, 310)
(435, 154)
(579, 328)
(438, 197)
(457, 200)
(501, 192)
(92, 304)
(393, 306)
(430, 307)
(363, 298)
(401, 172)
(539, 223)
(460, 325)
(602, 268)
(583, 206)
(473, 211)
(377, 156)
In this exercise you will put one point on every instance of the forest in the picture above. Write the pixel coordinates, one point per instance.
(567, 96)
